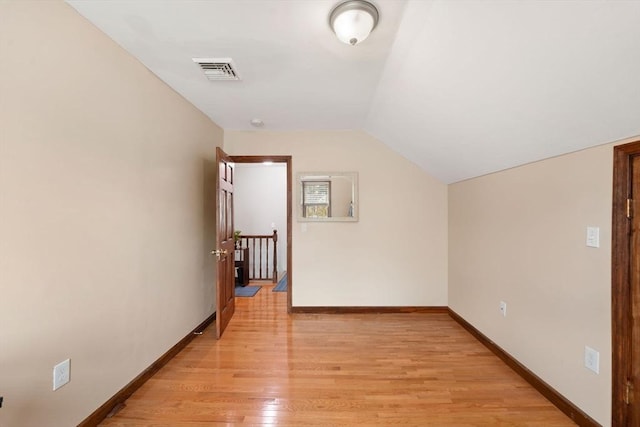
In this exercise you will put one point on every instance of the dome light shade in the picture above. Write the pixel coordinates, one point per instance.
(353, 21)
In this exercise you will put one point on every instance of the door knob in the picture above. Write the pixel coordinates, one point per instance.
(219, 252)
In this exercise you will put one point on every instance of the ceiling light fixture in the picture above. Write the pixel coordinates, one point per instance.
(353, 21)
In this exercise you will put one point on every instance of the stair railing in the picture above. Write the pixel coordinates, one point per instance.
(263, 255)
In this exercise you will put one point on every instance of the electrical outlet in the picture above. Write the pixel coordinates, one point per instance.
(503, 308)
(593, 237)
(61, 374)
(591, 359)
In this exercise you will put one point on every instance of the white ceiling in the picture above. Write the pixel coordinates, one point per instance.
(461, 88)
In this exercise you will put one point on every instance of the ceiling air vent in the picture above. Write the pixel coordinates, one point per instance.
(218, 68)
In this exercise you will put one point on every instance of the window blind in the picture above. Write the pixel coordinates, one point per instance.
(316, 192)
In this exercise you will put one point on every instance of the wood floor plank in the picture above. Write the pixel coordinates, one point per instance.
(270, 368)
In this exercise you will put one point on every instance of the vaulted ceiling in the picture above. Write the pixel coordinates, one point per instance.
(461, 88)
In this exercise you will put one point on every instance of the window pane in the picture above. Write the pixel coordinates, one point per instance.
(316, 199)
(316, 192)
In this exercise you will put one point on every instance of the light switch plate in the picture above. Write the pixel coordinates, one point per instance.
(593, 237)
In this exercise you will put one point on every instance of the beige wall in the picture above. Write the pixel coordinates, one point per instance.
(395, 255)
(104, 224)
(519, 236)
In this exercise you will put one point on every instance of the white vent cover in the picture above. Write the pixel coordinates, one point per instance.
(218, 68)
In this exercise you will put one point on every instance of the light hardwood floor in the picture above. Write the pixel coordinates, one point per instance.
(336, 370)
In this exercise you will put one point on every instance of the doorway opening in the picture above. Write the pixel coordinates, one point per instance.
(285, 238)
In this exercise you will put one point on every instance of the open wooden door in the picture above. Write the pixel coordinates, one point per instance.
(224, 252)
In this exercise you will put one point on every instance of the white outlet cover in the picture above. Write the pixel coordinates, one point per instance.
(503, 308)
(591, 359)
(593, 237)
(61, 374)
